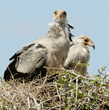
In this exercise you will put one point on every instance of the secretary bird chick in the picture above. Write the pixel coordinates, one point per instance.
(79, 52)
(49, 50)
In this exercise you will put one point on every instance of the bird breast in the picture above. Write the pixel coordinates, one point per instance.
(77, 53)
(58, 47)
(82, 55)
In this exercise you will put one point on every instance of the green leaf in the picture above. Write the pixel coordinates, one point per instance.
(80, 72)
(104, 66)
(98, 85)
(8, 108)
(80, 65)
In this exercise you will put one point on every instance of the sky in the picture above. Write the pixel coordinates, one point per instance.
(23, 21)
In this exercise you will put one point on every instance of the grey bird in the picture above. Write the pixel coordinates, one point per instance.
(79, 52)
(50, 50)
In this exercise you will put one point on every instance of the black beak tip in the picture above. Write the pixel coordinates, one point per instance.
(93, 46)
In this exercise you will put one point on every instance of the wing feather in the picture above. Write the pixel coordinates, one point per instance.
(25, 48)
(31, 59)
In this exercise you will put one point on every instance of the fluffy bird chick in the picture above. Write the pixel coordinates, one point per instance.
(49, 50)
(79, 52)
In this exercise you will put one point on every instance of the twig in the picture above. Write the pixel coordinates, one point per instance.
(57, 91)
(28, 102)
(76, 87)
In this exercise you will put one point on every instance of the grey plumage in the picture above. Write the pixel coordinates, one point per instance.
(79, 52)
(49, 50)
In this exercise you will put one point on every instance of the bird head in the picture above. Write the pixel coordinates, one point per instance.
(59, 16)
(85, 41)
(88, 42)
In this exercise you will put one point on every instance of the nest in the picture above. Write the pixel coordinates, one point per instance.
(63, 89)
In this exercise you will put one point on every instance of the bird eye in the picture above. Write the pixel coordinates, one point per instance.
(64, 13)
(55, 12)
(86, 40)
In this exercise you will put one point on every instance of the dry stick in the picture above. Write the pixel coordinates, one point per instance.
(49, 99)
(39, 88)
(76, 88)
(28, 102)
(57, 91)
(11, 73)
(43, 82)
(36, 104)
(57, 106)
(7, 99)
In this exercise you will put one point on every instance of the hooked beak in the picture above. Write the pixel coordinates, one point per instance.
(93, 46)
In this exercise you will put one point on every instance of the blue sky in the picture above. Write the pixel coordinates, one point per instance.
(23, 21)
